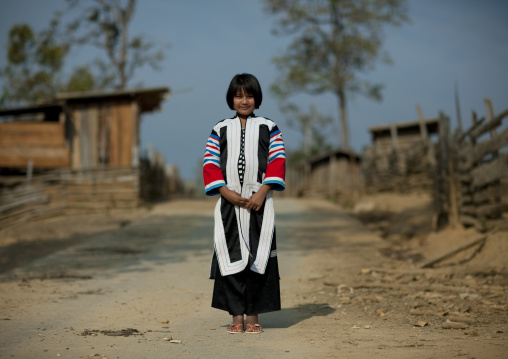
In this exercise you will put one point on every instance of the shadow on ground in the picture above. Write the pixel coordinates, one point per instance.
(156, 240)
(288, 317)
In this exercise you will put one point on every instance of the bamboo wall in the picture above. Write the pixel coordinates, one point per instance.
(405, 170)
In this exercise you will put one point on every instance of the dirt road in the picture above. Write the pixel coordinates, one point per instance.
(341, 298)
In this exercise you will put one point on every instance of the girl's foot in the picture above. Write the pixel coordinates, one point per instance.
(254, 329)
(253, 326)
(237, 326)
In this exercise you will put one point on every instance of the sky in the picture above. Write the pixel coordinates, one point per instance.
(448, 42)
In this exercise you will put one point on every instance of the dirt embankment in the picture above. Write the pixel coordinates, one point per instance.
(405, 222)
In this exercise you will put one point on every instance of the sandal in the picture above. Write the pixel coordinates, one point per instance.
(235, 328)
(251, 330)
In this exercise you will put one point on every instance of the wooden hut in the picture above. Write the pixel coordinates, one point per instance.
(402, 155)
(335, 173)
(82, 149)
(401, 137)
(77, 130)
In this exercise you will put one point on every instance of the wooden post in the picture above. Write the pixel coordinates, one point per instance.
(135, 134)
(444, 195)
(489, 109)
(395, 148)
(393, 135)
(457, 108)
(104, 118)
(85, 136)
(431, 158)
(76, 140)
(332, 175)
(423, 127)
(453, 216)
(474, 118)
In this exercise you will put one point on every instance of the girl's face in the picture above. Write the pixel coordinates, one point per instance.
(243, 103)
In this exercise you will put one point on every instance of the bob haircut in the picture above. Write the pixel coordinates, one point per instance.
(248, 83)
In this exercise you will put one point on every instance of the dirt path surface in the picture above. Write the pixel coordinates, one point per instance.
(122, 291)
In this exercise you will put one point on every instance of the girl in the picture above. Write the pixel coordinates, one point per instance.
(244, 161)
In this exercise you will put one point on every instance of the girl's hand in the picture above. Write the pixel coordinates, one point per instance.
(233, 197)
(258, 198)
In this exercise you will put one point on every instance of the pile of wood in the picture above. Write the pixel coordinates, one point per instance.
(68, 192)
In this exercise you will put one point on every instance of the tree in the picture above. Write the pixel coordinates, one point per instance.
(34, 65)
(36, 61)
(335, 41)
(314, 127)
(105, 25)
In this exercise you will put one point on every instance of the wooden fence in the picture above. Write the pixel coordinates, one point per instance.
(474, 171)
(466, 173)
(483, 169)
(158, 180)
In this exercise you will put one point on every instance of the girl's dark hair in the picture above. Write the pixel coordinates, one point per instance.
(247, 82)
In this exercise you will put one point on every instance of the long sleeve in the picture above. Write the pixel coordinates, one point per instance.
(212, 173)
(276, 169)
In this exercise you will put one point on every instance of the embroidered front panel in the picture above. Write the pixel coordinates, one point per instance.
(258, 156)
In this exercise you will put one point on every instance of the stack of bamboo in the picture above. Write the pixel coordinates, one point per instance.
(65, 191)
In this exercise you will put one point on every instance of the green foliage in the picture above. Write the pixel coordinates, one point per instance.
(334, 43)
(21, 42)
(34, 65)
(81, 80)
(36, 61)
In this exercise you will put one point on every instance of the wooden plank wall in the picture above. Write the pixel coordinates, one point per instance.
(105, 134)
(336, 177)
(123, 129)
(41, 142)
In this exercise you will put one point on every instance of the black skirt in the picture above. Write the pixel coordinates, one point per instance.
(247, 292)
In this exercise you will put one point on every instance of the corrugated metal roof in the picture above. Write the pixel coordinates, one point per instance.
(148, 99)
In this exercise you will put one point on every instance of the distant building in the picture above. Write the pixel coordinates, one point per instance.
(76, 153)
(401, 156)
(335, 173)
(77, 130)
